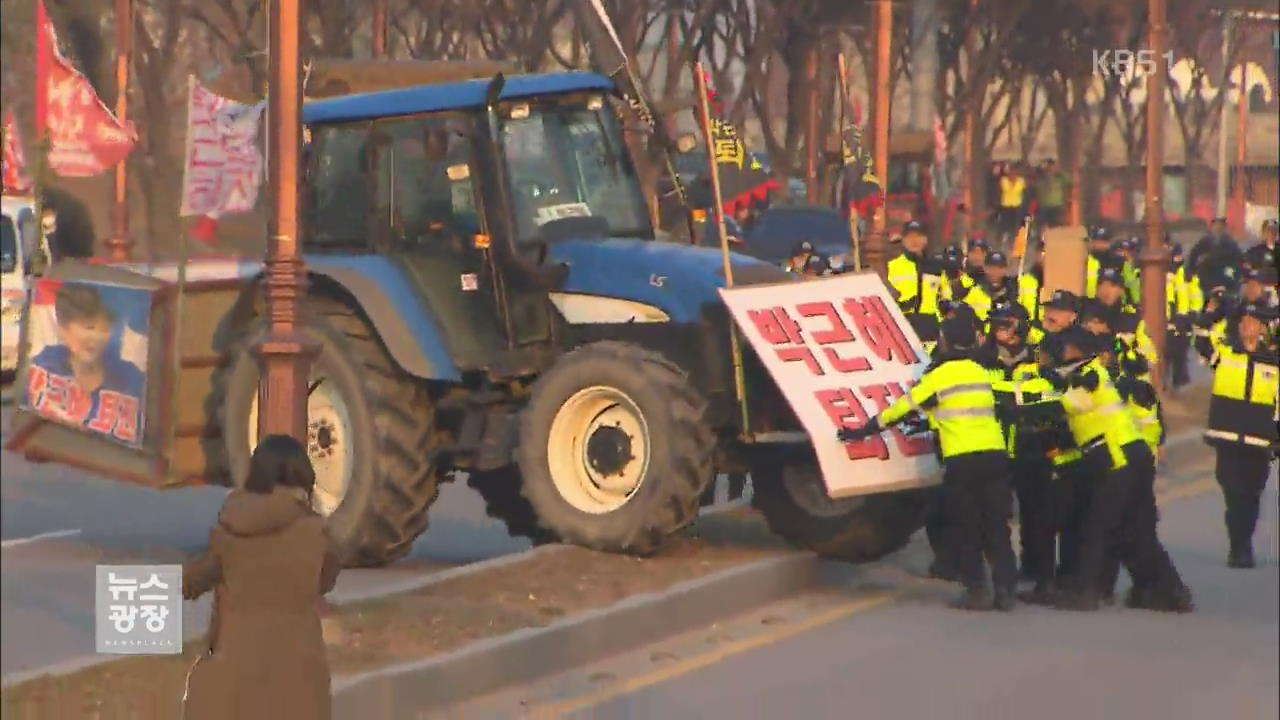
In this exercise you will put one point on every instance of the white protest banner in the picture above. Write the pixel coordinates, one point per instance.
(224, 166)
(840, 350)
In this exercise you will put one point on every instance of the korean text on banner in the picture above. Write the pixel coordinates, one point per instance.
(841, 351)
(89, 357)
(223, 166)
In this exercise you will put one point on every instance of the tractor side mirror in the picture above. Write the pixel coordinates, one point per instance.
(686, 143)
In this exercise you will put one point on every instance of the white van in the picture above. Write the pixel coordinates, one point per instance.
(18, 230)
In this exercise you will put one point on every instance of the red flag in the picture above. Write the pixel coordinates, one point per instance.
(85, 138)
(16, 180)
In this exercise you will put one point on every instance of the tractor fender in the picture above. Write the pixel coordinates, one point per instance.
(407, 328)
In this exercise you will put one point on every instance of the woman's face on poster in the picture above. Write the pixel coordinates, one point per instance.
(87, 338)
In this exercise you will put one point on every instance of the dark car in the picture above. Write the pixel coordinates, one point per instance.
(779, 229)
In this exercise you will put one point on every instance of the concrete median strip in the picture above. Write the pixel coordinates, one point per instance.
(531, 653)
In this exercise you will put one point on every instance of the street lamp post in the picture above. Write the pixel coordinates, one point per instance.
(811, 126)
(285, 352)
(970, 121)
(119, 244)
(1155, 258)
(875, 246)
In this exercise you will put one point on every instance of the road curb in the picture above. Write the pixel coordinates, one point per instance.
(532, 653)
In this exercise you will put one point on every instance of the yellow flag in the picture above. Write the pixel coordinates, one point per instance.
(1020, 241)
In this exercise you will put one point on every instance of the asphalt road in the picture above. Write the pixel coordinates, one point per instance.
(56, 524)
(883, 645)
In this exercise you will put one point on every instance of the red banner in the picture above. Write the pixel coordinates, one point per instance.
(85, 138)
(16, 180)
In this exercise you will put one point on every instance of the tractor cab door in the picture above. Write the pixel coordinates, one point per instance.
(425, 215)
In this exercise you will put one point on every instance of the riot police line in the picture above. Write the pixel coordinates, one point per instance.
(1051, 400)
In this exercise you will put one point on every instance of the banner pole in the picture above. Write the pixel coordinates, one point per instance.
(175, 363)
(846, 103)
(717, 207)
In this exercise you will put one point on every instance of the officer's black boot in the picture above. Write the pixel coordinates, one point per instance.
(1042, 594)
(1241, 559)
(1006, 599)
(974, 598)
(942, 569)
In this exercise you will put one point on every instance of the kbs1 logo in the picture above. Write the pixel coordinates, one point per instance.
(1127, 63)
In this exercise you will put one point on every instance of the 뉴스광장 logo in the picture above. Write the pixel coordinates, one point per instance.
(138, 609)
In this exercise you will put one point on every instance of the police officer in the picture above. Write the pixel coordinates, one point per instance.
(1221, 310)
(952, 266)
(1216, 259)
(1242, 419)
(1263, 255)
(994, 287)
(1122, 317)
(1121, 516)
(916, 284)
(974, 261)
(1177, 293)
(1100, 257)
(1008, 356)
(957, 397)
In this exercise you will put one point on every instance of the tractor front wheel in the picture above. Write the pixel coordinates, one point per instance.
(615, 449)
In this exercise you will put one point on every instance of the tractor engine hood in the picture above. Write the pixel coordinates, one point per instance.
(679, 279)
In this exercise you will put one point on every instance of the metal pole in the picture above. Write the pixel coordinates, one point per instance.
(119, 244)
(1242, 137)
(717, 209)
(1224, 165)
(379, 28)
(875, 244)
(846, 106)
(811, 128)
(1155, 259)
(970, 122)
(285, 352)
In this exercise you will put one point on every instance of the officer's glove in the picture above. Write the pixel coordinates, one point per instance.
(1087, 380)
(1143, 394)
(871, 427)
(1055, 378)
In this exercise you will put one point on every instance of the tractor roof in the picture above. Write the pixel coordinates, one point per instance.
(468, 95)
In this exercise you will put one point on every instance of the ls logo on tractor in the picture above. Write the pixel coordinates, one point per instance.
(657, 280)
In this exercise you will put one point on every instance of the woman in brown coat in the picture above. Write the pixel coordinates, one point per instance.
(269, 563)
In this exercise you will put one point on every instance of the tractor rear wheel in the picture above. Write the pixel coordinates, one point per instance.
(615, 449)
(794, 501)
(371, 433)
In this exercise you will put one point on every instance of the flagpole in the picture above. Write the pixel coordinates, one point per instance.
(119, 245)
(845, 104)
(44, 54)
(717, 207)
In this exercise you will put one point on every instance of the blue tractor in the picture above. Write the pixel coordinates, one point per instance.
(488, 298)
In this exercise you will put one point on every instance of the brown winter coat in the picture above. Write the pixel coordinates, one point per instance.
(268, 563)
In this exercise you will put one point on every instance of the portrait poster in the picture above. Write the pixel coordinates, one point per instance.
(88, 357)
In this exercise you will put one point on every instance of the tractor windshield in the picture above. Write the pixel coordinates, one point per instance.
(567, 159)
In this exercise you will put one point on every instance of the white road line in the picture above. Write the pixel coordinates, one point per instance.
(14, 542)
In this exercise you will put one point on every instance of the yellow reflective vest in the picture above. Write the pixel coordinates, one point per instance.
(958, 399)
(1099, 418)
(1091, 268)
(917, 291)
(1132, 281)
(1243, 408)
(1029, 388)
(1029, 296)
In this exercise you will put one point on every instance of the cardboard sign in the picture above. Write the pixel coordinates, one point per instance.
(841, 351)
(1066, 256)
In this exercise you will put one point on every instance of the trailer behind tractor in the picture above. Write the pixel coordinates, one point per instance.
(488, 297)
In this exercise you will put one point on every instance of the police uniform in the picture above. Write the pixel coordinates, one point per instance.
(1030, 283)
(1263, 255)
(1006, 364)
(1097, 261)
(973, 272)
(985, 293)
(1124, 319)
(1121, 517)
(957, 397)
(1242, 425)
(916, 286)
(1177, 294)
